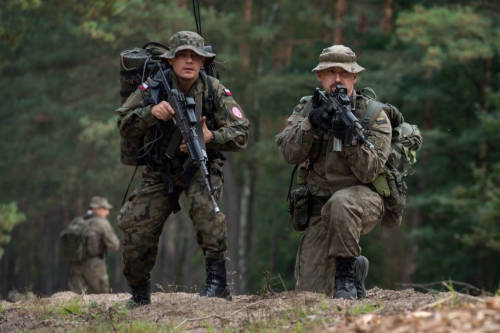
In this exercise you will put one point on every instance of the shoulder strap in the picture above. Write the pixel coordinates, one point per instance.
(211, 95)
(372, 112)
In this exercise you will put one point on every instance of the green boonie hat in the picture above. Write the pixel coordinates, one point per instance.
(99, 202)
(338, 56)
(186, 40)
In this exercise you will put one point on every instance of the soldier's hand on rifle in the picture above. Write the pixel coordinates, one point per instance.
(207, 135)
(163, 111)
(320, 118)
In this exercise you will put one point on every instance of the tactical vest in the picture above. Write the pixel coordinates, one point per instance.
(138, 150)
(390, 184)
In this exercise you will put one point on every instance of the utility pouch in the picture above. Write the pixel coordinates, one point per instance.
(299, 207)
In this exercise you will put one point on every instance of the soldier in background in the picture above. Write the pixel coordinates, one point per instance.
(90, 275)
(343, 205)
(224, 127)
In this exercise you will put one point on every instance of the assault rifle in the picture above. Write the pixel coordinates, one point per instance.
(185, 119)
(339, 108)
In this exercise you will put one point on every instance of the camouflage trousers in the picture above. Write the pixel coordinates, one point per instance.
(89, 276)
(348, 214)
(142, 217)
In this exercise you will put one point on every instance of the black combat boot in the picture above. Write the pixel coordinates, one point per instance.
(344, 278)
(141, 294)
(361, 266)
(216, 284)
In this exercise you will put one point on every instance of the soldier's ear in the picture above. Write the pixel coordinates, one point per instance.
(355, 78)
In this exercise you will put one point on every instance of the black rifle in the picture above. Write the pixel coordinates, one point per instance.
(339, 108)
(185, 119)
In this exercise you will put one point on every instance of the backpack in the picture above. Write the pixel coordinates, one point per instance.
(74, 240)
(391, 185)
(135, 66)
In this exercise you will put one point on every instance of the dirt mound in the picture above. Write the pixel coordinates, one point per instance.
(382, 311)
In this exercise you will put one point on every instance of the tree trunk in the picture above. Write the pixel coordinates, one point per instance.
(338, 35)
(232, 212)
(386, 23)
(245, 205)
(415, 218)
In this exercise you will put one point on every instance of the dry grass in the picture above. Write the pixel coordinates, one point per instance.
(382, 311)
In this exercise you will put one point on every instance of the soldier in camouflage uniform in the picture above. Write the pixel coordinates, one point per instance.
(224, 128)
(90, 275)
(344, 205)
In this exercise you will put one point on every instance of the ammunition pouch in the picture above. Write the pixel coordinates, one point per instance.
(303, 205)
(392, 188)
(298, 207)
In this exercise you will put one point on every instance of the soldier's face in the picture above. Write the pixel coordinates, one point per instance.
(187, 65)
(332, 77)
(101, 211)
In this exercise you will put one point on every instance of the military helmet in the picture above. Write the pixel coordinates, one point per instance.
(338, 56)
(99, 202)
(187, 40)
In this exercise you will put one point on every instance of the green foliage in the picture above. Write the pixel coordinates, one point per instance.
(9, 218)
(454, 52)
(445, 34)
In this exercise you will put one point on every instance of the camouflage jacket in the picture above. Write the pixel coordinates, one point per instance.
(326, 171)
(225, 119)
(101, 237)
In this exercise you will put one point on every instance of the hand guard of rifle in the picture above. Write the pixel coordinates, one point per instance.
(185, 119)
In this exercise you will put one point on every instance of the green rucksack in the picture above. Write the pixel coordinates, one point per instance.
(74, 240)
(391, 184)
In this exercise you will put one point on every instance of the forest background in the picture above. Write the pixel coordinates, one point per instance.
(437, 61)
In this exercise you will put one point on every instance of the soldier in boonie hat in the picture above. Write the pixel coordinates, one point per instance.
(187, 40)
(336, 182)
(99, 202)
(338, 56)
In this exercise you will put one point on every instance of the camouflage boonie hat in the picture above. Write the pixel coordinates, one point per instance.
(99, 202)
(186, 40)
(338, 56)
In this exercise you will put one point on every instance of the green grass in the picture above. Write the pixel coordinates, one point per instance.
(72, 307)
(364, 308)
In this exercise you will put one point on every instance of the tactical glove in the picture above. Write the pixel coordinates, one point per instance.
(320, 118)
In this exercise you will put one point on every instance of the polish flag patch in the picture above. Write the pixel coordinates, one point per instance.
(237, 113)
(227, 92)
(143, 86)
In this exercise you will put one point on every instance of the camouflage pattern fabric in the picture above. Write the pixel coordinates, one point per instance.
(347, 215)
(353, 208)
(187, 40)
(142, 216)
(90, 275)
(338, 56)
